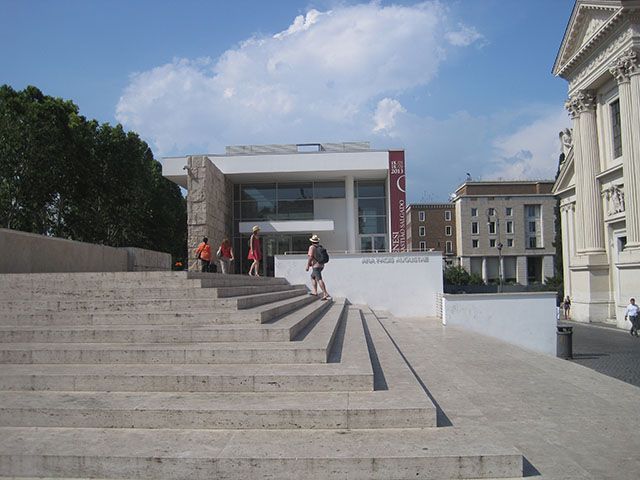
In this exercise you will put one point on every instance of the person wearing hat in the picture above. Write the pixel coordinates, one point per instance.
(255, 253)
(316, 266)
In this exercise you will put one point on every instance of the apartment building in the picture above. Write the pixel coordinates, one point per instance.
(432, 226)
(506, 229)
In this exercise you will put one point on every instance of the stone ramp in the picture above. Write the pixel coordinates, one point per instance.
(288, 388)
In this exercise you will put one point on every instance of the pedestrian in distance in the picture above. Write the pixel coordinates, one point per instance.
(225, 255)
(317, 258)
(255, 253)
(203, 253)
(632, 314)
(566, 306)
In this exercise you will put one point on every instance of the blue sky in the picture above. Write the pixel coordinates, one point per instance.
(462, 85)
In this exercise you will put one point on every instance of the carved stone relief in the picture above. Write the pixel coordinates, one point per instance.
(614, 196)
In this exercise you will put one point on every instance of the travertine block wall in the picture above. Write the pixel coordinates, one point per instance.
(209, 203)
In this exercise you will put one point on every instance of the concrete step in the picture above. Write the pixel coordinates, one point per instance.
(313, 349)
(282, 329)
(145, 292)
(432, 453)
(148, 304)
(259, 314)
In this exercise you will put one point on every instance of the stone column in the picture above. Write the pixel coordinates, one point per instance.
(521, 270)
(351, 213)
(626, 70)
(485, 276)
(587, 166)
(566, 218)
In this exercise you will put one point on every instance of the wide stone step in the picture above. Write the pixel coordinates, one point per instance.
(146, 292)
(259, 314)
(148, 304)
(313, 349)
(431, 453)
(280, 330)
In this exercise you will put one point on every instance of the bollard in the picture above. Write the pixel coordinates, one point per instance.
(564, 347)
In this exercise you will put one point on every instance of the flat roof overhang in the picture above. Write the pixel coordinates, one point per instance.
(372, 165)
(289, 226)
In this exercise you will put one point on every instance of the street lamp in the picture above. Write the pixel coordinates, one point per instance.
(491, 213)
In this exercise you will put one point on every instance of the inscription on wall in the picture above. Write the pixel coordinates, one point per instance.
(387, 260)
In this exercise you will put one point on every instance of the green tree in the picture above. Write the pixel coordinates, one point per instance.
(458, 275)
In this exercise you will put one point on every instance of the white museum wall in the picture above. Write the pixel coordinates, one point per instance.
(406, 284)
(524, 319)
(336, 210)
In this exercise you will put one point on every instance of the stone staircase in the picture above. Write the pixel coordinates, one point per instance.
(203, 376)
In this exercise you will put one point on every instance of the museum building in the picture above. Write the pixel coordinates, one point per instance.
(350, 195)
(599, 180)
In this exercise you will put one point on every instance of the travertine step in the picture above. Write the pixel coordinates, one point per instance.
(149, 304)
(260, 314)
(431, 453)
(282, 329)
(314, 349)
(145, 292)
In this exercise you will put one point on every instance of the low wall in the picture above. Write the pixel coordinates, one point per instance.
(22, 252)
(524, 319)
(406, 284)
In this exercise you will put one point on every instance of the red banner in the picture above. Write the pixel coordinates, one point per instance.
(397, 202)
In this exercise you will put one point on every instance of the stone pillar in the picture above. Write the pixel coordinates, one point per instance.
(465, 262)
(209, 204)
(587, 165)
(627, 72)
(574, 113)
(547, 267)
(566, 219)
(521, 270)
(351, 213)
(485, 276)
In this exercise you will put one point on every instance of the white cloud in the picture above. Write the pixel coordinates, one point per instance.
(464, 36)
(532, 151)
(385, 115)
(323, 78)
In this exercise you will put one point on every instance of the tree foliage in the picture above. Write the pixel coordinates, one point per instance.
(458, 275)
(66, 176)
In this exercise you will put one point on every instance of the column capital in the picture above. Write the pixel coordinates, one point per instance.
(626, 65)
(580, 102)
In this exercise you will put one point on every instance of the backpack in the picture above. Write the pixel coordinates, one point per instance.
(321, 255)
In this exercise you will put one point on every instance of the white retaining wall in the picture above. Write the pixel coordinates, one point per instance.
(524, 319)
(406, 284)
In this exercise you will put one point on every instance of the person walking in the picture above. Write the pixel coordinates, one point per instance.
(632, 314)
(566, 305)
(317, 257)
(225, 255)
(203, 253)
(255, 253)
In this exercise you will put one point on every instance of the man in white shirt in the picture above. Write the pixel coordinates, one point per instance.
(632, 314)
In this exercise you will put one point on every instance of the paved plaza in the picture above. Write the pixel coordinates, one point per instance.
(570, 422)
(611, 351)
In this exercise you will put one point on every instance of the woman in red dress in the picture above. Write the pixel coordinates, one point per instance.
(254, 252)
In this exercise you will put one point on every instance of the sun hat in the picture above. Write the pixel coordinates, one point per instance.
(315, 239)
(255, 228)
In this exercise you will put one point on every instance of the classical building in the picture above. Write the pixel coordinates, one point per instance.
(432, 226)
(599, 181)
(506, 228)
(347, 193)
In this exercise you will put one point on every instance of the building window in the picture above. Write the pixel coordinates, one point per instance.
(328, 190)
(421, 216)
(509, 242)
(491, 212)
(474, 228)
(509, 211)
(509, 227)
(616, 127)
(421, 231)
(447, 230)
(449, 247)
(372, 213)
(447, 215)
(474, 243)
(474, 212)
(492, 242)
(532, 242)
(492, 228)
(533, 226)
(423, 246)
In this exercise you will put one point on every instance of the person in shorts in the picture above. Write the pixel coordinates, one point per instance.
(316, 269)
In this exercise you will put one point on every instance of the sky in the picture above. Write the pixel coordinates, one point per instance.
(463, 86)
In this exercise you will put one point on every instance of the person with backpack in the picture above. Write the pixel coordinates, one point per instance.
(317, 258)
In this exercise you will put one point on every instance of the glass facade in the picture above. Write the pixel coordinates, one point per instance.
(372, 215)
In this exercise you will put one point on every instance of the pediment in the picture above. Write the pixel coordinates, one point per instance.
(566, 178)
(588, 20)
